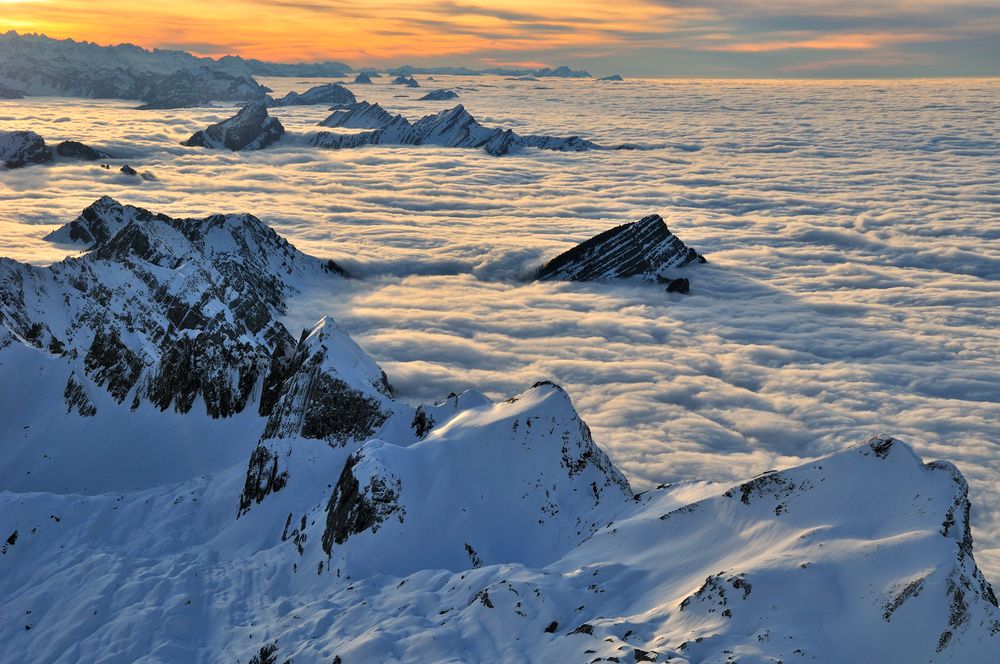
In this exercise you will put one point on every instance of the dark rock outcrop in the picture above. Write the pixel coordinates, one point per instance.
(644, 249)
(439, 95)
(250, 129)
(613, 77)
(329, 94)
(21, 148)
(363, 78)
(76, 150)
(408, 81)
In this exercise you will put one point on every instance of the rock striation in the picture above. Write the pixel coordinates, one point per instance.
(451, 128)
(644, 250)
(250, 129)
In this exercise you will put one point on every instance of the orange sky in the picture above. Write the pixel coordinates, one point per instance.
(365, 31)
(646, 37)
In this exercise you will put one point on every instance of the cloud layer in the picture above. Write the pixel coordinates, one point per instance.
(851, 230)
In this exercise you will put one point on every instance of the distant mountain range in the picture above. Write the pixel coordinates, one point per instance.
(34, 64)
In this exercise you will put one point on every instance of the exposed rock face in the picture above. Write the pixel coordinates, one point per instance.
(363, 78)
(330, 94)
(10, 93)
(360, 116)
(644, 249)
(334, 391)
(76, 150)
(137, 325)
(408, 81)
(439, 95)
(451, 128)
(250, 129)
(21, 148)
(385, 496)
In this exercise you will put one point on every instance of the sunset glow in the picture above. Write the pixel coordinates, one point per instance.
(643, 37)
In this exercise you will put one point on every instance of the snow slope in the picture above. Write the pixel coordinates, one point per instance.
(329, 521)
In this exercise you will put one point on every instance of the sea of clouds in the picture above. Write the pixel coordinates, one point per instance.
(853, 233)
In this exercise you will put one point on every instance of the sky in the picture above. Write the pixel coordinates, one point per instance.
(706, 38)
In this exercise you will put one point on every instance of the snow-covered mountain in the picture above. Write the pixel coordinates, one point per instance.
(250, 129)
(154, 294)
(329, 94)
(183, 480)
(454, 128)
(21, 148)
(360, 116)
(645, 250)
(37, 65)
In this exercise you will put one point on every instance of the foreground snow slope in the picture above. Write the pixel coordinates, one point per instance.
(311, 512)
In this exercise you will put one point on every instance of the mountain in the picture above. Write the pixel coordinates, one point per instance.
(21, 148)
(185, 480)
(10, 93)
(451, 128)
(77, 150)
(360, 116)
(613, 77)
(330, 94)
(363, 78)
(154, 293)
(408, 81)
(558, 72)
(644, 250)
(439, 95)
(327, 69)
(250, 129)
(37, 65)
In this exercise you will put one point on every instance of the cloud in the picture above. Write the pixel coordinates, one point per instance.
(852, 287)
(637, 37)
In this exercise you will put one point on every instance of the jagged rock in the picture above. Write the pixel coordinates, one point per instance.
(21, 148)
(128, 170)
(134, 322)
(451, 128)
(383, 498)
(334, 392)
(408, 81)
(679, 285)
(329, 94)
(250, 129)
(439, 95)
(360, 116)
(644, 249)
(363, 78)
(75, 150)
